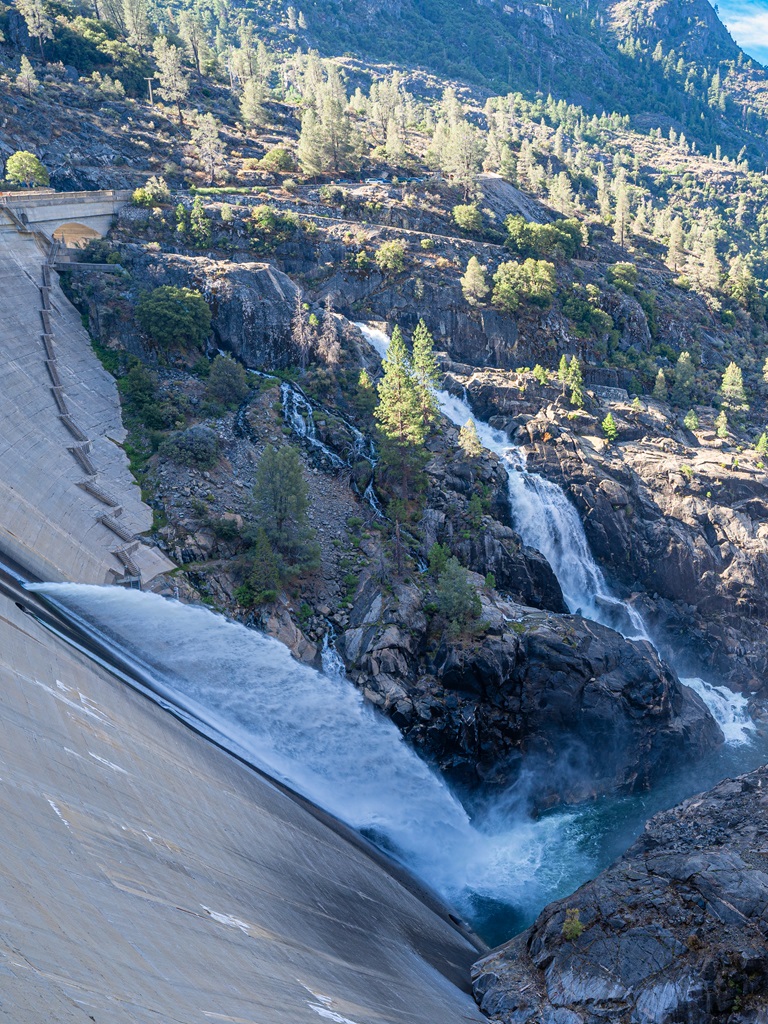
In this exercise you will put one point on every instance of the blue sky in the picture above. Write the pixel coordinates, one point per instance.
(747, 21)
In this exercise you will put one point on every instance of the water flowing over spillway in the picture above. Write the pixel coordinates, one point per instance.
(316, 733)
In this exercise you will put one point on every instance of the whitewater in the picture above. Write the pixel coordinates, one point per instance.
(315, 732)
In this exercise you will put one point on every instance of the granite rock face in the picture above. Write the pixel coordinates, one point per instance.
(676, 930)
(573, 702)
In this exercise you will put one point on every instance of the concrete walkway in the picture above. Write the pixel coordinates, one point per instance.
(60, 430)
(148, 876)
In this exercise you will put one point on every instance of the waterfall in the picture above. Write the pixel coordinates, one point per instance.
(316, 733)
(547, 521)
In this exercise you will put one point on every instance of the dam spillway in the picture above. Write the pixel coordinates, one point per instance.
(149, 874)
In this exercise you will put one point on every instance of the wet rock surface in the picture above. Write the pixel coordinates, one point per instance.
(586, 709)
(676, 930)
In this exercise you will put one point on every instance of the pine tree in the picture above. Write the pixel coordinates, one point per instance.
(425, 372)
(684, 375)
(252, 110)
(622, 214)
(26, 78)
(192, 32)
(732, 388)
(398, 413)
(469, 442)
(473, 283)
(199, 223)
(281, 500)
(327, 142)
(136, 23)
(675, 245)
(691, 421)
(301, 332)
(762, 445)
(721, 425)
(174, 84)
(660, 387)
(210, 149)
(575, 381)
(328, 343)
(562, 370)
(39, 22)
(610, 429)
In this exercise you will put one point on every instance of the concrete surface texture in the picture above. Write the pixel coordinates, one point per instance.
(148, 876)
(50, 212)
(61, 431)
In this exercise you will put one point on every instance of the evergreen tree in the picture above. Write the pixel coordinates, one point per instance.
(425, 372)
(136, 25)
(575, 382)
(675, 245)
(174, 84)
(684, 375)
(26, 78)
(610, 429)
(327, 142)
(473, 283)
(660, 387)
(252, 110)
(263, 580)
(193, 34)
(455, 597)
(762, 445)
(469, 442)
(691, 421)
(227, 384)
(280, 501)
(199, 223)
(365, 399)
(721, 425)
(23, 168)
(732, 388)
(39, 21)
(328, 343)
(562, 370)
(398, 413)
(210, 149)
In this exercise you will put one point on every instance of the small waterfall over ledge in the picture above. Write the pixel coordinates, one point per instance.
(547, 521)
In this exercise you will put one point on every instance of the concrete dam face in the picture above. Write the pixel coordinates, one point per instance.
(147, 873)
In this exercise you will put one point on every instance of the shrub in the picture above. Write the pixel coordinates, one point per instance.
(456, 599)
(279, 159)
(623, 276)
(563, 238)
(227, 383)
(196, 446)
(427, 244)
(572, 926)
(390, 256)
(532, 281)
(174, 317)
(540, 374)
(331, 194)
(691, 420)
(468, 217)
(154, 193)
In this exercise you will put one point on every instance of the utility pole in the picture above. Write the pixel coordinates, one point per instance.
(149, 83)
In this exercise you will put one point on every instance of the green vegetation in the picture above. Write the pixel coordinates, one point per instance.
(24, 168)
(227, 384)
(473, 283)
(532, 281)
(174, 317)
(280, 502)
(456, 599)
(196, 446)
(610, 429)
(469, 442)
(572, 926)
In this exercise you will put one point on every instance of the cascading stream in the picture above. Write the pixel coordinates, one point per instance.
(547, 521)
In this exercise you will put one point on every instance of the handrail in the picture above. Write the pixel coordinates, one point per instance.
(6, 198)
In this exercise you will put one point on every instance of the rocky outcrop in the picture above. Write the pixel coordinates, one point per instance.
(676, 930)
(682, 521)
(251, 303)
(588, 711)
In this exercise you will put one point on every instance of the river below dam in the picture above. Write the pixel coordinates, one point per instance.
(314, 732)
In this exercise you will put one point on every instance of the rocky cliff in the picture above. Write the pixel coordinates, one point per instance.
(675, 931)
